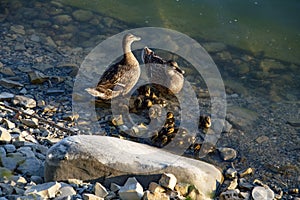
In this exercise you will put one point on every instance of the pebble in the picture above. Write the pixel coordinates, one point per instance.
(4, 135)
(227, 154)
(25, 101)
(100, 190)
(9, 83)
(82, 15)
(62, 19)
(168, 180)
(19, 29)
(6, 96)
(132, 190)
(45, 190)
(10, 148)
(32, 123)
(37, 77)
(262, 193)
(7, 71)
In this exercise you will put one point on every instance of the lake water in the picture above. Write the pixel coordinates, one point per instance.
(269, 27)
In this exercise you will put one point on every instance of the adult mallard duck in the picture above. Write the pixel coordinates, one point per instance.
(162, 72)
(120, 77)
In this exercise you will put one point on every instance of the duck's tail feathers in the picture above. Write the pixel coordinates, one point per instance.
(96, 93)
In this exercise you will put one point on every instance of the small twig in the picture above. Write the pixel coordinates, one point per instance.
(40, 119)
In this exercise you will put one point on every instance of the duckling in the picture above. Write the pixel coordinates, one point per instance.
(204, 122)
(161, 72)
(120, 77)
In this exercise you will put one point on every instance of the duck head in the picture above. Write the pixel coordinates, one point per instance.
(175, 66)
(128, 39)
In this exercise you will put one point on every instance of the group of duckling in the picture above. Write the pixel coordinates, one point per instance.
(166, 78)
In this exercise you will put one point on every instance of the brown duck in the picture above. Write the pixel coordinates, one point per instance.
(162, 72)
(120, 77)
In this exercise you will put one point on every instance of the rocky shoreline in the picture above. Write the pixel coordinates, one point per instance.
(42, 47)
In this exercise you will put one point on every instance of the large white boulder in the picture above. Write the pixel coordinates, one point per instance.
(88, 157)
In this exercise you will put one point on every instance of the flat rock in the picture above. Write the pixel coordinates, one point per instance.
(88, 157)
(24, 101)
(45, 190)
(9, 83)
(37, 77)
(82, 15)
(6, 96)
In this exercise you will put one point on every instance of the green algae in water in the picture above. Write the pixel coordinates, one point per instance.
(269, 27)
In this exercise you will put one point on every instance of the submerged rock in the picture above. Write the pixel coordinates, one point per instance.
(66, 159)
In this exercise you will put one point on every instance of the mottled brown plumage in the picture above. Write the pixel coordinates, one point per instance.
(162, 72)
(121, 77)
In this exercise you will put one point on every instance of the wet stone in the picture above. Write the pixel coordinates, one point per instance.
(227, 154)
(19, 29)
(62, 19)
(82, 15)
(32, 123)
(214, 46)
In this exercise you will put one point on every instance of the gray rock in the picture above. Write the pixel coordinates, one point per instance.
(100, 190)
(168, 180)
(7, 71)
(4, 135)
(262, 193)
(19, 47)
(62, 19)
(18, 29)
(227, 154)
(36, 179)
(10, 148)
(9, 83)
(9, 163)
(82, 15)
(132, 190)
(66, 191)
(35, 38)
(24, 101)
(7, 189)
(231, 173)
(67, 158)
(114, 187)
(2, 152)
(155, 188)
(6, 96)
(45, 190)
(31, 166)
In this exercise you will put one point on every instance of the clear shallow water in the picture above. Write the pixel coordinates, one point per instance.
(268, 27)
